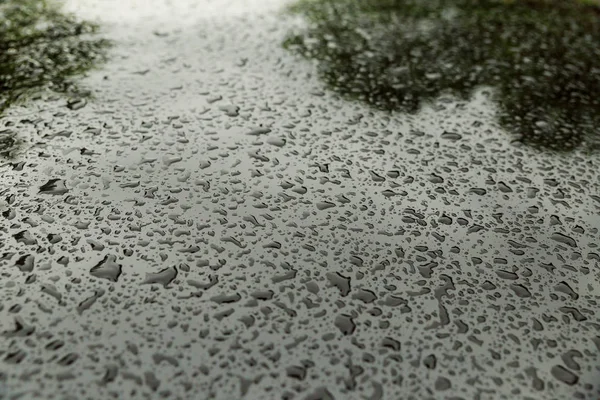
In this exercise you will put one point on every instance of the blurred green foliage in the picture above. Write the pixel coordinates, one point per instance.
(541, 56)
(42, 48)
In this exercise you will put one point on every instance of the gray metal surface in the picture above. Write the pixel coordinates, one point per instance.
(216, 225)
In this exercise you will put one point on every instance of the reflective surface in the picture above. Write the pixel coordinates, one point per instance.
(43, 48)
(541, 57)
(216, 224)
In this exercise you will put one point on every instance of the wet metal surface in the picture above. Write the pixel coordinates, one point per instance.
(215, 224)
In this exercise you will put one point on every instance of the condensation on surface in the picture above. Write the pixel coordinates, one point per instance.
(215, 224)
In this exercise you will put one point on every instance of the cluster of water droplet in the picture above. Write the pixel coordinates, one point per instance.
(212, 226)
